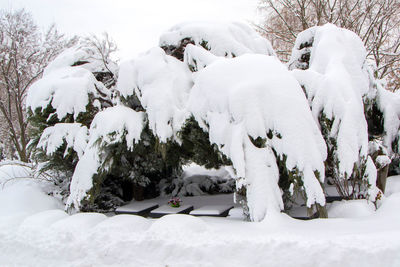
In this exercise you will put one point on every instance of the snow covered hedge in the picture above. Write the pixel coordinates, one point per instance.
(216, 94)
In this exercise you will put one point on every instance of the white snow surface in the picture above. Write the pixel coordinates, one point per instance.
(66, 89)
(247, 96)
(162, 84)
(9, 171)
(74, 134)
(167, 209)
(351, 209)
(335, 83)
(112, 125)
(25, 198)
(198, 57)
(46, 236)
(136, 206)
(210, 210)
(392, 185)
(222, 39)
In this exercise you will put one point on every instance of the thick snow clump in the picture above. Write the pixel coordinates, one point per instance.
(162, 85)
(221, 39)
(68, 82)
(66, 89)
(74, 134)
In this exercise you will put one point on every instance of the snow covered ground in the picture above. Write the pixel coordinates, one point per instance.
(35, 231)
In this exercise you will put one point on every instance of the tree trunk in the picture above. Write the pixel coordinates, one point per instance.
(138, 192)
(381, 179)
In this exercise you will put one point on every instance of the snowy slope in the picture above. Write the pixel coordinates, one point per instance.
(40, 234)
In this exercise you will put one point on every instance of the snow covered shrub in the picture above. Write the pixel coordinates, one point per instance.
(330, 64)
(237, 113)
(382, 110)
(62, 104)
(158, 85)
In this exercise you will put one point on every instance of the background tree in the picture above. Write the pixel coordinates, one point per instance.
(375, 21)
(24, 53)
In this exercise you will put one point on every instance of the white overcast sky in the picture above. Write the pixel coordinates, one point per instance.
(134, 25)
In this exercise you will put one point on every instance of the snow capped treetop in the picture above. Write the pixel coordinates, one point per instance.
(66, 89)
(70, 78)
(255, 96)
(162, 84)
(80, 55)
(328, 46)
(221, 39)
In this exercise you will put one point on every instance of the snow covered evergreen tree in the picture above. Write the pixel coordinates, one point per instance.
(330, 64)
(215, 94)
(62, 104)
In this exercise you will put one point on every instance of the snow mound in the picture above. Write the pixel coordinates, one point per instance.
(390, 206)
(392, 185)
(335, 82)
(351, 209)
(112, 125)
(127, 223)
(35, 226)
(11, 172)
(26, 198)
(177, 224)
(74, 134)
(221, 39)
(66, 89)
(162, 84)
(254, 96)
(75, 226)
